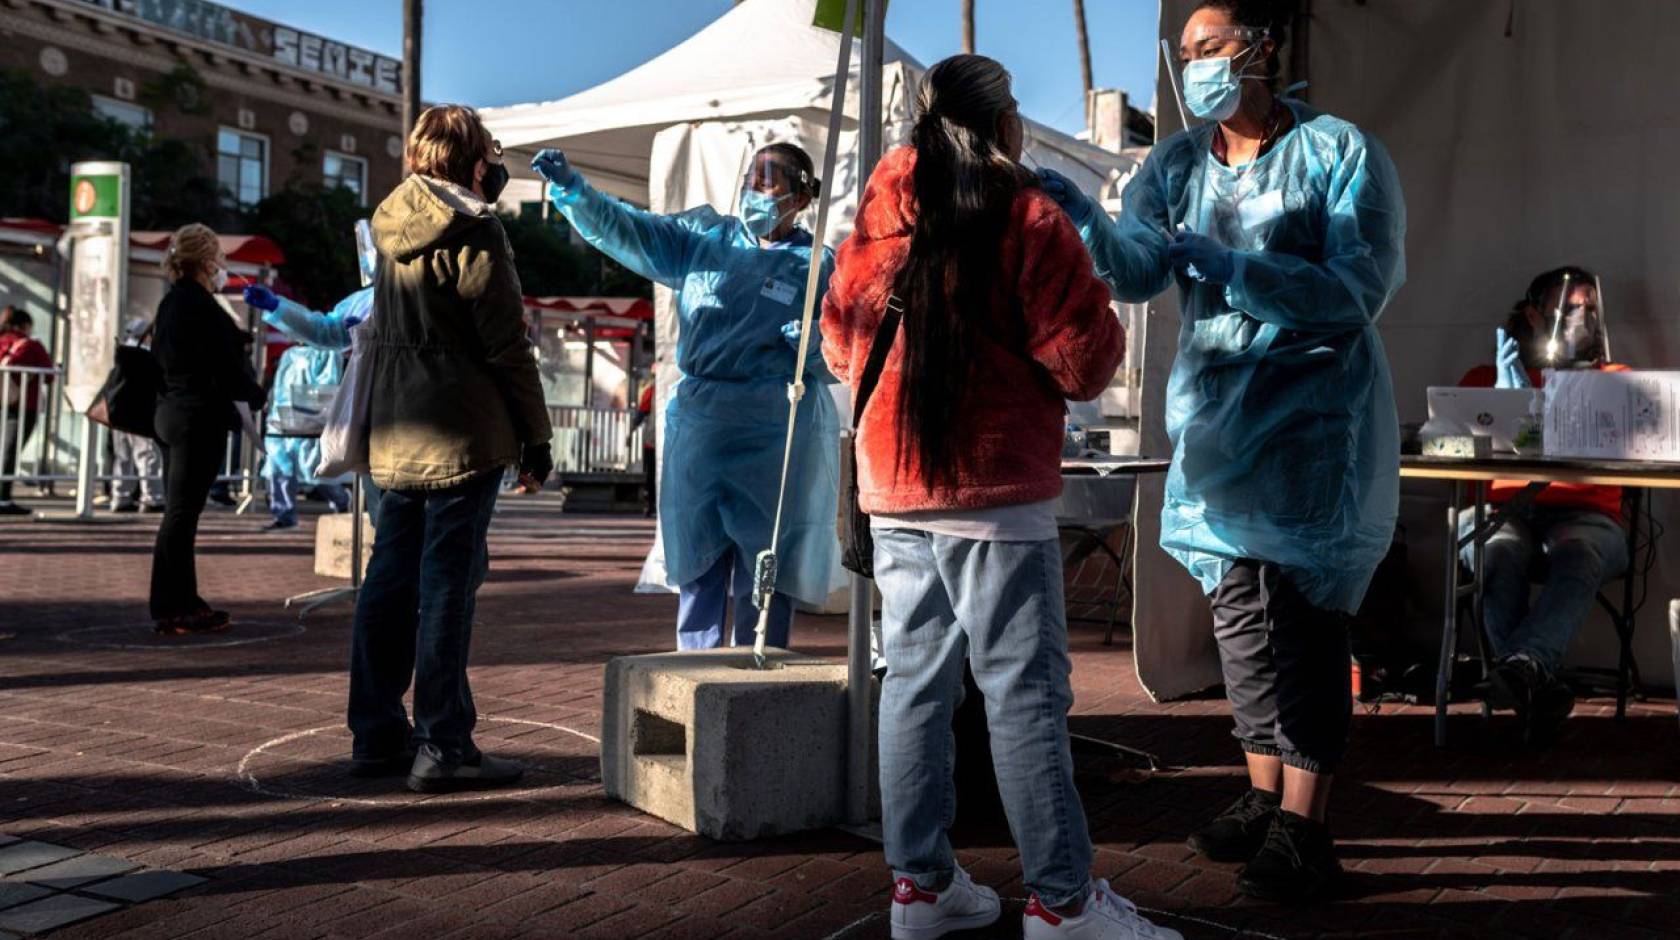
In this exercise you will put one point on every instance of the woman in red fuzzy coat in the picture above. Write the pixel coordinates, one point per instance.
(959, 466)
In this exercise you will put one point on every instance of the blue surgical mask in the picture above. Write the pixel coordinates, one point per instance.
(1211, 90)
(761, 212)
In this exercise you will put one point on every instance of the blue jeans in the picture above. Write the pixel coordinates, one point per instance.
(1582, 548)
(337, 495)
(371, 494)
(414, 619)
(282, 497)
(999, 605)
(704, 606)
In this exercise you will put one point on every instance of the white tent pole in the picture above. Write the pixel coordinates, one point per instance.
(859, 688)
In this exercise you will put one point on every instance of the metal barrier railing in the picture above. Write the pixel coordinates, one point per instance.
(586, 440)
(26, 395)
(595, 440)
(43, 455)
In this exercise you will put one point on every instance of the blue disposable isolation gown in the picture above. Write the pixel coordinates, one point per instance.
(727, 419)
(316, 364)
(1280, 408)
(330, 330)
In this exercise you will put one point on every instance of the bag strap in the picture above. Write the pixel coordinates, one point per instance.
(878, 350)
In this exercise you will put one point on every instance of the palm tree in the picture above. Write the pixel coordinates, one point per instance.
(968, 26)
(1084, 44)
(1084, 56)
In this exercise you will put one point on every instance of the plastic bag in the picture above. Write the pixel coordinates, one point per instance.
(344, 431)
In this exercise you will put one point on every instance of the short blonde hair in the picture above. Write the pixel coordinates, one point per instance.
(191, 248)
(447, 142)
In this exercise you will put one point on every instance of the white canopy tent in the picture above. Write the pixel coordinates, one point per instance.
(1526, 137)
(678, 131)
(761, 61)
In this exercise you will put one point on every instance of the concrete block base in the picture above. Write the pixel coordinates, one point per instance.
(704, 741)
(332, 544)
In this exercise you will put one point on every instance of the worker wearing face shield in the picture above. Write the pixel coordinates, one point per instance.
(740, 291)
(1577, 529)
(305, 379)
(1283, 228)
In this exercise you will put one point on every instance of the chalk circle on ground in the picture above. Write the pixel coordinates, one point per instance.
(310, 764)
(139, 635)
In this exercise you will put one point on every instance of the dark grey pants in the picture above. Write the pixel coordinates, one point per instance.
(1286, 666)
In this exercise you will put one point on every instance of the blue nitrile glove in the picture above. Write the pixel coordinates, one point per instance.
(553, 166)
(790, 332)
(1202, 258)
(1078, 206)
(262, 298)
(1508, 356)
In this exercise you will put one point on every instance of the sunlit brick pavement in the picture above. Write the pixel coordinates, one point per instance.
(219, 761)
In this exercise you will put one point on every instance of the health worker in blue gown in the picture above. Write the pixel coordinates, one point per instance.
(305, 379)
(1283, 228)
(316, 363)
(740, 291)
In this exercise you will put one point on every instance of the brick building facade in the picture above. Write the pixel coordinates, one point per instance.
(270, 104)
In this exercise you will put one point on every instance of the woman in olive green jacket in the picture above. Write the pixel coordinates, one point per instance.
(455, 399)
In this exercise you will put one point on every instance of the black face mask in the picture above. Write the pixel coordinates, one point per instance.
(495, 180)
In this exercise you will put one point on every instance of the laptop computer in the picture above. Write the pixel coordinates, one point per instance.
(1500, 413)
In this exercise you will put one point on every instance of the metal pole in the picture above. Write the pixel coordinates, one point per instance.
(859, 684)
(84, 471)
(1449, 617)
(588, 362)
(413, 15)
(356, 523)
(869, 87)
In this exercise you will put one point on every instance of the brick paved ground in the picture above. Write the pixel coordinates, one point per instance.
(219, 761)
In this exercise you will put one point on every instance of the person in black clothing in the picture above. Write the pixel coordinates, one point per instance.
(201, 353)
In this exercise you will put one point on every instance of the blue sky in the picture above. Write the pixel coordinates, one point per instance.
(495, 52)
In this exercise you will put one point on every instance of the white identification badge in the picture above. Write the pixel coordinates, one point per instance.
(1258, 210)
(780, 291)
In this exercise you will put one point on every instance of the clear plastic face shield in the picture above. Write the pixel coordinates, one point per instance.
(1576, 334)
(771, 192)
(367, 257)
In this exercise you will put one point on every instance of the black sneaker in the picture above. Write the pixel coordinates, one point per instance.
(12, 509)
(1238, 832)
(1512, 683)
(1296, 864)
(126, 507)
(390, 765)
(1549, 704)
(431, 775)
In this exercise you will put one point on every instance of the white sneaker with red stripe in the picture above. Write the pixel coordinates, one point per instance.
(1105, 916)
(924, 915)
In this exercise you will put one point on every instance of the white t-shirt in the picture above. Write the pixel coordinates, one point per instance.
(1024, 522)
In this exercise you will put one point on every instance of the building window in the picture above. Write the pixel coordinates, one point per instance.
(340, 169)
(132, 116)
(242, 165)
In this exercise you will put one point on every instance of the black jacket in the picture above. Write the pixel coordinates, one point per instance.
(202, 353)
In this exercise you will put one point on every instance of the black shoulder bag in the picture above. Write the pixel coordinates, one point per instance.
(857, 545)
(129, 396)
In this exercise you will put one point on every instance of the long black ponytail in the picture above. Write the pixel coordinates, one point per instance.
(966, 183)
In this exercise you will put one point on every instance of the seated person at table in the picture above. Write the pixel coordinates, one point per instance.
(1577, 529)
